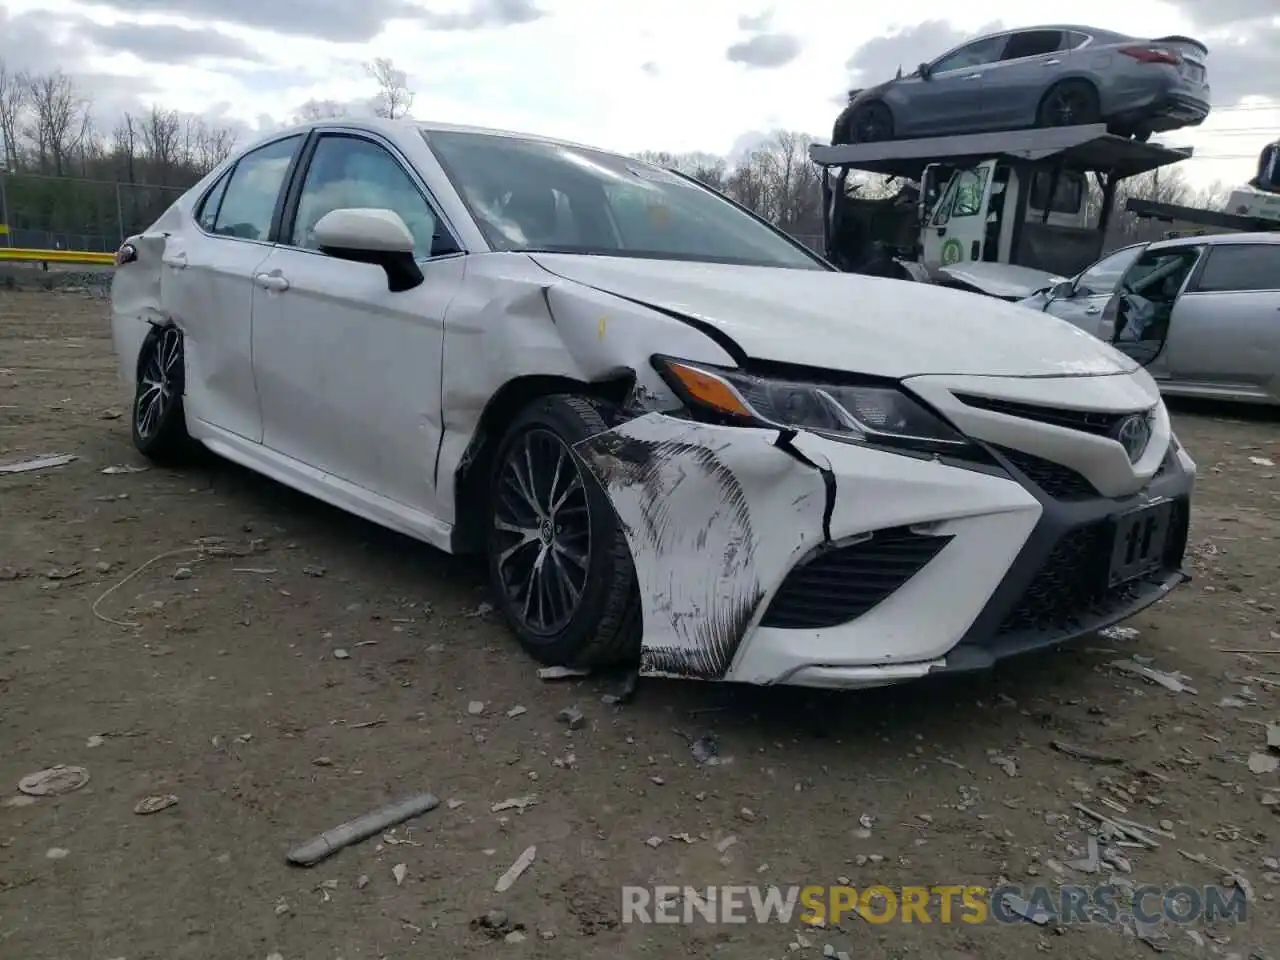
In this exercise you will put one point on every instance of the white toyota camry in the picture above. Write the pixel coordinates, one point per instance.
(682, 440)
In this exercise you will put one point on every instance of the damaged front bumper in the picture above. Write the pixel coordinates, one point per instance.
(768, 556)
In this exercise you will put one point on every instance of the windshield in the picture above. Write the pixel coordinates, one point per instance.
(528, 195)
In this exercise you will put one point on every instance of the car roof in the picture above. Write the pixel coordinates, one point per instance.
(403, 125)
(1216, 239)
(1065, 27)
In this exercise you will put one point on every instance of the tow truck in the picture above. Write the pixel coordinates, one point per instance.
(1018, 199)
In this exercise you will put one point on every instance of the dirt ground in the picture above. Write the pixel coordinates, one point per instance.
(333, 669)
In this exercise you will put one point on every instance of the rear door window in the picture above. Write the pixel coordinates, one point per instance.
(249, 201)
(1236, 267)
(208, 213)
(1032, 43)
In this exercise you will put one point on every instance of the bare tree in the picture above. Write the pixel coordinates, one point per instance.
(394, 98)
(1213, 197)
(321, 110)
(58, 122)
(14, 90)
(125, 142)
(89, 146)
(705, 167)
(212, 146)
(162, 142)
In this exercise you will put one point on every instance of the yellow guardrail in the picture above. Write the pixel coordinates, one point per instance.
(23, 255)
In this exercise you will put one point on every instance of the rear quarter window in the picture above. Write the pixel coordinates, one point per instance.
(1234, 267)
(207, 215)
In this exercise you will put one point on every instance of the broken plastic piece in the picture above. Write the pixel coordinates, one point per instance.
(513, 872)
(353, 831)
(54, 781)
(148, 805)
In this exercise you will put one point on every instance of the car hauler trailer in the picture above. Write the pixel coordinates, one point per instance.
(1253, 208)
(1017, 197)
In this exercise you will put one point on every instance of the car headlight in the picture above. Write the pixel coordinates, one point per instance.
(879, 415)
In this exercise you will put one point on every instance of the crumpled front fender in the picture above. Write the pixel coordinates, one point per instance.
(714, 517)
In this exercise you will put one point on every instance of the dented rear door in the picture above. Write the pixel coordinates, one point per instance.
(207, 285)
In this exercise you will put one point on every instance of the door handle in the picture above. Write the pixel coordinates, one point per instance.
(1052, 63)
(974, 76)
(178, 261)
(1093, 310)
(271, 281)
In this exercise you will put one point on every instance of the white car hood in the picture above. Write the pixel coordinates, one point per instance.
(839, 321)
(1007, 281)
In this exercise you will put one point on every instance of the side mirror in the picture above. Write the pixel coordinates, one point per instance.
(1062, 291)
(374, 236)
(926, 72)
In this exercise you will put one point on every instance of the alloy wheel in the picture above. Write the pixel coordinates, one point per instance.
(870, 127)
(1066, 107)
(542, 524)
(157, 384)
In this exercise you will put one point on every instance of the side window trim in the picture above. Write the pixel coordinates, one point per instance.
(292, 196)
(291, 174)
(942, 213)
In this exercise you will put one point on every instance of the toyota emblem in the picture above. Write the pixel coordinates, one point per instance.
(1134, 433)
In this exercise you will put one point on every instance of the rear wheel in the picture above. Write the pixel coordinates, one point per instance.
(559, 564)
(159, 421)
(1072, 103)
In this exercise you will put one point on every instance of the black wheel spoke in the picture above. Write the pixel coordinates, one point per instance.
(542, 531)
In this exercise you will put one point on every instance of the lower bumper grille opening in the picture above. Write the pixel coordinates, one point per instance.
(1071, 587)
(841, 584)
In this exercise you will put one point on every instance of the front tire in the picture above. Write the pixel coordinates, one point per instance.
(870, 123)
(159, 420)
(559, 565)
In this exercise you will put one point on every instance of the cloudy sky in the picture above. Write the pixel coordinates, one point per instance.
(662, 74)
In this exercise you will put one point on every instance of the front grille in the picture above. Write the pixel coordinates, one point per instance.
(1088, 421)
(1059, 482)
(842, 583)
(1071, 587)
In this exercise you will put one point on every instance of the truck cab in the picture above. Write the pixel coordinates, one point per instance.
(1020, 198)
(967, 221)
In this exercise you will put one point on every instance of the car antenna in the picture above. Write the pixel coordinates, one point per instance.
(899, 76)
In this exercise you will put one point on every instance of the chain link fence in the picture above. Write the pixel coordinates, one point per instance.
(66, 213)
